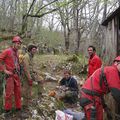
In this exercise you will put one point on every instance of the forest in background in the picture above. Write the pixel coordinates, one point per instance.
(74, 24)
(69, 24)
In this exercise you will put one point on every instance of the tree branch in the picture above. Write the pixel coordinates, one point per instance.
(45, 6)
(29, 15)
(53, 10)
(25, 16)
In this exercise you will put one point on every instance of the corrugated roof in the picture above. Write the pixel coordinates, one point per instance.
(111, 16)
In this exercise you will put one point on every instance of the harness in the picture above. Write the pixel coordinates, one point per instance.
(89, 92)
(15, 60)
(102, 80)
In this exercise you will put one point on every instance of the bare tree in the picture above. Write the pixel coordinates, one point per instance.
(105, 9)
(24, 22)
(78, 7)
(79, 17)
(65, 22)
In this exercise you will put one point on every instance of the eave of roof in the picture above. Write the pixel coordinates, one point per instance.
(111, 16)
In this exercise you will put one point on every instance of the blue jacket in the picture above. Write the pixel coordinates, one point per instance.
(70, 82)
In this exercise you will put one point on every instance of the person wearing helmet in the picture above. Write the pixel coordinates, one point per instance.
(10, 66)
(16, 39)
(28, 75)
(101, 82)
(117, 59)
(94, 61)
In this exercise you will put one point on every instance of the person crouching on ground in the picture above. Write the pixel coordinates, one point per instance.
(69, 85)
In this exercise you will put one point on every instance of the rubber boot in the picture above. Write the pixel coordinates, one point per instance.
(21, 115)
(8, 115)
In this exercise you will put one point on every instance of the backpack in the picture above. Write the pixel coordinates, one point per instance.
(21, 58)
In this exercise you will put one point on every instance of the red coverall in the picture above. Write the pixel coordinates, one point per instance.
(93, 64)
(13, 84)
(1, 68)
(93, 84)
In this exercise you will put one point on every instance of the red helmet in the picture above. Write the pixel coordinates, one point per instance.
(16, 39)
(117, 58)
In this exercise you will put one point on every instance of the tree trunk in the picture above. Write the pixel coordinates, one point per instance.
(76, 26)
(105, 9)
(66, 37)
(24, 24)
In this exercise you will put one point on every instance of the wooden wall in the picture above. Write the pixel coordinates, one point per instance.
(110, 42)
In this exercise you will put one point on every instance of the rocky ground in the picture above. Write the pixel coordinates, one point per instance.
(49, 70)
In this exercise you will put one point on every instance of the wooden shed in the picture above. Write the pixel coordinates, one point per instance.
(112, 44)
(112, 34)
